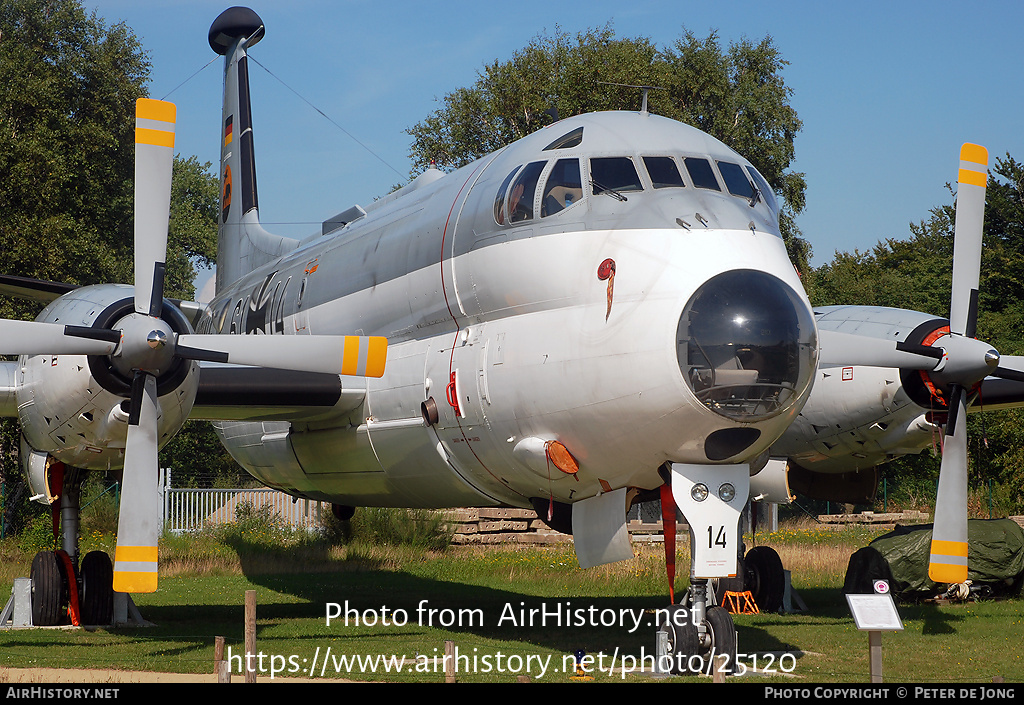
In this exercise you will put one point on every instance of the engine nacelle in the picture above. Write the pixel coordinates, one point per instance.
(73, 407)
(859, 417)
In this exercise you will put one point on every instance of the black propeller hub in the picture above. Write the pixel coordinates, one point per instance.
(146, 345)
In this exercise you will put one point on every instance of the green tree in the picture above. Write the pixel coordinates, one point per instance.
(737, 95)
(68, 85)
(192, 228)
(197, 459)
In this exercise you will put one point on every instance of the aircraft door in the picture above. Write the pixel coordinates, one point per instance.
(456, 406)
(402, 439)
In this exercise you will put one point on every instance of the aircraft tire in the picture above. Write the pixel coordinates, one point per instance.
(49, 592)
(682, 640)
(97, 594)
(767, 580)
(723, 639)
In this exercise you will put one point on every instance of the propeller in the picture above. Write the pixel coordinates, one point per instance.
(142, 346)
(957, 361)
(947, 562)
(138, 529)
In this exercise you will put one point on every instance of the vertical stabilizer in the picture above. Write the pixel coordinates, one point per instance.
(243, 245)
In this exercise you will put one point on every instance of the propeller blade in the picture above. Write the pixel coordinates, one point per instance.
(154, 160)
(1010, 367)
(334, 354)
(138, 524)
(970, 216)
(947, 562)
(846, 350)
(32, 338)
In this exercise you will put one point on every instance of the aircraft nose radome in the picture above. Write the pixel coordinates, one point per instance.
(746, 345)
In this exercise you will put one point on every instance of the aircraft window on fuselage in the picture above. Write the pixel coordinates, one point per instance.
(701, 173)
(520, 196)
(499, 198)
(736, 180)
(663, 172)
(571, 139)
(766, 191)
(614, 174)
(564, 187)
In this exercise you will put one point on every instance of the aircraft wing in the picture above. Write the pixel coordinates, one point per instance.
(33, 289)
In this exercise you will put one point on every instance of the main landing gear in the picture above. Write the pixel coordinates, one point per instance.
(62, 594)
(760, 572)
(64, 590)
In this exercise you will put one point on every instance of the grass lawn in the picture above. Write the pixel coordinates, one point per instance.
(490, 601)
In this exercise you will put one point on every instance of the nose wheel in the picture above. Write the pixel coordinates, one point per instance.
(698, 636)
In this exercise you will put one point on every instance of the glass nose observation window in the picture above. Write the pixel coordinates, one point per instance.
(746, 345)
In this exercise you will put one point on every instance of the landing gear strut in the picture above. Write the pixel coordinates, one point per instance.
(698, 631)
(62, 589)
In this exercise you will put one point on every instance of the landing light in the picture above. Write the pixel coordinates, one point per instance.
(699, 492)
(726, 492)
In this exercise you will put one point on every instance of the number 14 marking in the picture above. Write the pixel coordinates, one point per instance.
(717, 540)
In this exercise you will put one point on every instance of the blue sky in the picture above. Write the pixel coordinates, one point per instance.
(887, 91)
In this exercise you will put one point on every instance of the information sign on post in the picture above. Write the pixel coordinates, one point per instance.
(875, 614)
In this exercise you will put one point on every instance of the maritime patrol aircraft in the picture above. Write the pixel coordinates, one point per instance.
(601, 312)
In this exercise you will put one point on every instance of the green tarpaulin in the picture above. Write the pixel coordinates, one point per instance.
(995, 557)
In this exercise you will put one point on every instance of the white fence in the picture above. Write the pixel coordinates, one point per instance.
(192, 509)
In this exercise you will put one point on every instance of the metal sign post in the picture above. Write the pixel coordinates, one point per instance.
(875, 614)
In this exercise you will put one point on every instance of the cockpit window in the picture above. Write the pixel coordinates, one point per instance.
(663, 172)
(701, 173)
(614, 174)
(499, 198)
(736, 180)
(564, 187)
(571, 139)
(766, 191)
(520, 196)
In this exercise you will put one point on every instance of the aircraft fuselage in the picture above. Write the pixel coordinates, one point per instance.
(571, 316)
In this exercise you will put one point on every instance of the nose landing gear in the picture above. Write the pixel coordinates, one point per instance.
(700, 635)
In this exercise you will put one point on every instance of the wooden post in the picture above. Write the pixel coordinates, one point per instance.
(449, 662)
(250, 636)
(221, 668)
(718, 666)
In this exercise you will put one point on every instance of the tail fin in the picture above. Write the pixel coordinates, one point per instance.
(243, 244)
